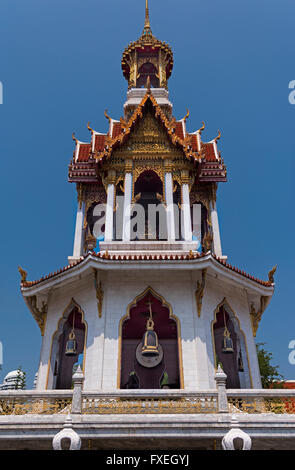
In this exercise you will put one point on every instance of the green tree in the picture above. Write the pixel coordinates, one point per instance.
(270, 376)
(20, 383)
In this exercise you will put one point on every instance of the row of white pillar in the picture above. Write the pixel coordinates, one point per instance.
(109, 225)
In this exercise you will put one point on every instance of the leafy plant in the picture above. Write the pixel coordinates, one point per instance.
(270, 375)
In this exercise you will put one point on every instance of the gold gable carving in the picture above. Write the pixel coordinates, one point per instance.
(148, 141)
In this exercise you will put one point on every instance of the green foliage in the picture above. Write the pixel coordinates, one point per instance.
(20, 379)
(270, 376)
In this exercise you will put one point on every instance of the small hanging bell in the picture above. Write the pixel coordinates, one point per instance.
(227, 343)
(71, 346)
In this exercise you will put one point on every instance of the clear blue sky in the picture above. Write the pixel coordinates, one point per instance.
(60, 67)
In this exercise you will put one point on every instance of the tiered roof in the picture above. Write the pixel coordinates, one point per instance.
(89, 157)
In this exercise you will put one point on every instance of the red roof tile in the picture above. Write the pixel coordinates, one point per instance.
(117, 129)
(84, 151)
(99, 142)
(194, 142)
(208, 149)
(179, 130)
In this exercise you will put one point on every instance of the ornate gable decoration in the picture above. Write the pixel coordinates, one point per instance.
(168, 126)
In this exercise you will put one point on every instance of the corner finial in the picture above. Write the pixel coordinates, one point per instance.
(147, 24)
(271, 274)
(23, 274)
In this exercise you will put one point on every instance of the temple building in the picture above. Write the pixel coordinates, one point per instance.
(148, 304)
(147, 233)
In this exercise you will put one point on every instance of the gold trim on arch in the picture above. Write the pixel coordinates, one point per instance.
(171, 315)
(74, 304)
(226, 303)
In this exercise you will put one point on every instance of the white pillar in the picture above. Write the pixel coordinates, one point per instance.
(79, 238)
(186, 211)
(109, 220)
(197, 225)
(169, 203)
(127, 202)
(215, 230)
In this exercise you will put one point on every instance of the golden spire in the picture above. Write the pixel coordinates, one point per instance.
(147, 24)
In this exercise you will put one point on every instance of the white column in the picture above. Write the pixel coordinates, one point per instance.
(197, 225)
(169, 206)
(215, 230)
(186, 210)
(109, 220)
(127, 202)
(79, 238)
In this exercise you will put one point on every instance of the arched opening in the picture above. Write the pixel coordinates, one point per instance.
(145, 71)
(148, 191)
(158, 371)
(235, 362)
(63, 366)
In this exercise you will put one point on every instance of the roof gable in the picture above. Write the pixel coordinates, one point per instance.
(149, 106)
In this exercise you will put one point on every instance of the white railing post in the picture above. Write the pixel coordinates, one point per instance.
(220, 379)
(78, 379)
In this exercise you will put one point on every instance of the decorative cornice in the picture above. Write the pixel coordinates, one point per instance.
(189, 257)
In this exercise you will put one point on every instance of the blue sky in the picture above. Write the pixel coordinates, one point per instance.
(60, 68)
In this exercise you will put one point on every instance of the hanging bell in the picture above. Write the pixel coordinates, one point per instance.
(227, 343)
(71, 346)
(150, 343)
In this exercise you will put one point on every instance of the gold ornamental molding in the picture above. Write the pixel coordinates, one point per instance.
(257, 315)
(200, 291)
(99, 293)
(40, 315)
(149, 166)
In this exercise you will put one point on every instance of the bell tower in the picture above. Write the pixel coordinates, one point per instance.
(147, 300)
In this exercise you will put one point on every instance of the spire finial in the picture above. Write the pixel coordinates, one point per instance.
(147, 24)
